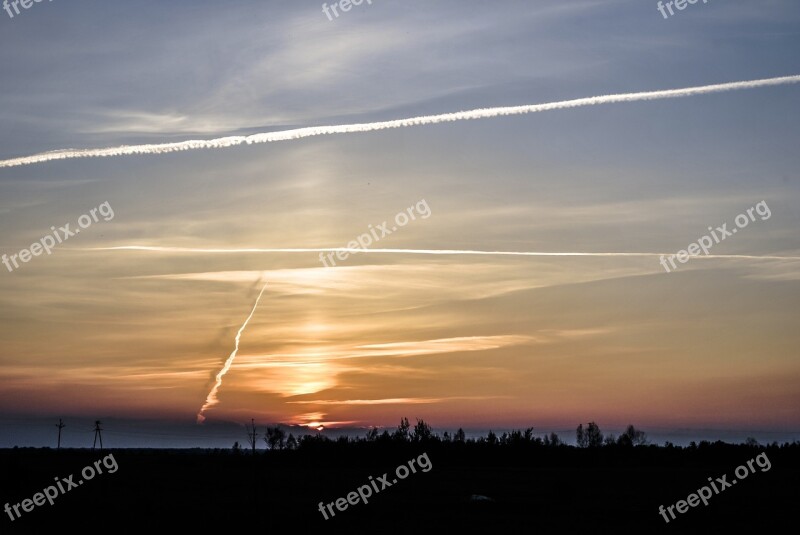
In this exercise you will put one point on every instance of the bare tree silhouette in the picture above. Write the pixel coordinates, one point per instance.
(275, 438)
(591, 437)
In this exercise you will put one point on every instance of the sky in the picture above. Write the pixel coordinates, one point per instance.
(138, 336)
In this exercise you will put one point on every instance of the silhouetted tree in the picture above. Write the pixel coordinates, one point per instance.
(422, 431)
(594, 435)
(291, 442)
(237, 449)
(372, 434)
(591, 437)
(632, 437)
(459, 436)
(491, 439)
(580, 437)
(402, 433)
(275, 438)
(610, 440)
(307, 440)
(517, 437)
(554, 440)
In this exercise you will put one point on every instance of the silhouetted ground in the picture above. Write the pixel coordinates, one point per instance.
(535, 489)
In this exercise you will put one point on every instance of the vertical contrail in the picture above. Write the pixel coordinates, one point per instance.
(212, 400)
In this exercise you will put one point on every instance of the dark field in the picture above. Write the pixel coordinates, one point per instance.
(551, 489)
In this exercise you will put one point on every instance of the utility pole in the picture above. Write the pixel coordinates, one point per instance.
(61, 425)
(97, 435)
(251, 435)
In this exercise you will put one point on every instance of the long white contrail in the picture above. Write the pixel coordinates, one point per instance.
(212, 400)
(298, 133)
(156, 249)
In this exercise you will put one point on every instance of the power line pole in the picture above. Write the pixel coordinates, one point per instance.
(61, 425)
(251, 435)
(97, 435)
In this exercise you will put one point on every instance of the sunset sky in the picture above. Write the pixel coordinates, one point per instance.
(480, 342)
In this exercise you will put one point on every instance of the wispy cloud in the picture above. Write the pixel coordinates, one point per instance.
(470, 252)
(390, 401)
(442, 345)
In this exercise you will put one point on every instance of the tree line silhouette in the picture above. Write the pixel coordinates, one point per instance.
(589, 436)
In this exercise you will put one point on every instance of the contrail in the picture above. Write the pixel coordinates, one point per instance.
(147, 248)
(299, 133)
(212, 400)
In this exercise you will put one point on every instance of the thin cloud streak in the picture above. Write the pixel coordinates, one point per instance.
(156, 249)
(484, 113)
(393, 349)
(391, 401)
